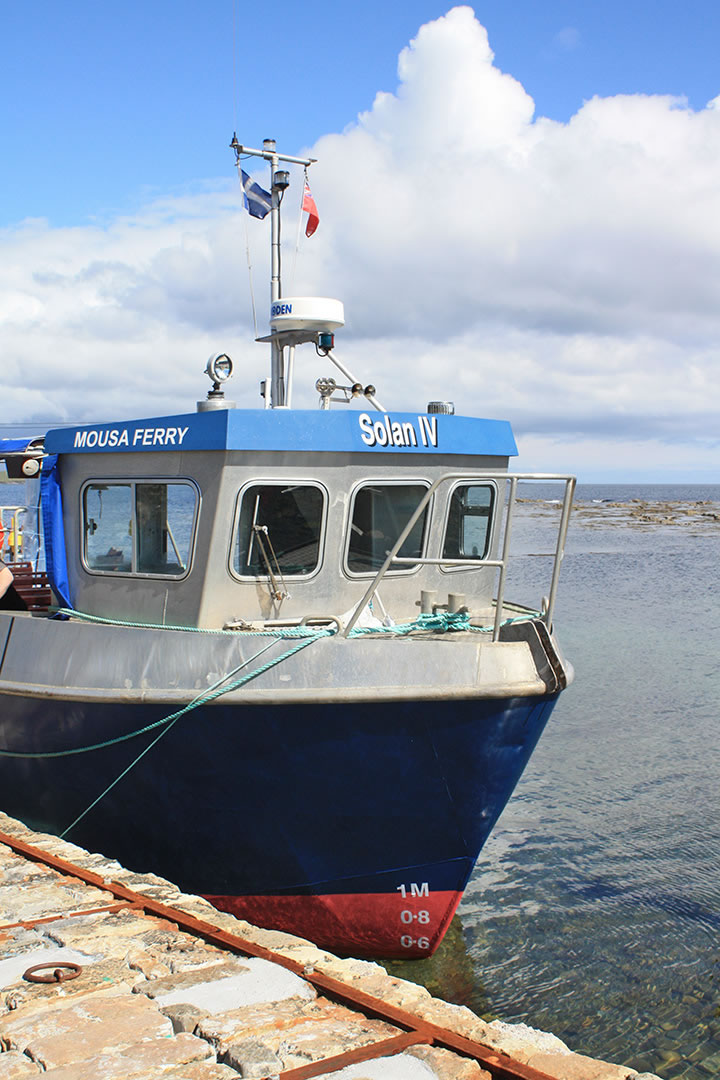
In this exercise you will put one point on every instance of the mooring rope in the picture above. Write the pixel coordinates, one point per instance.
(211, 694)
(275, 632)
(438, 622)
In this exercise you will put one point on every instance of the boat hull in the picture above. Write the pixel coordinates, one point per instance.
(355, 825)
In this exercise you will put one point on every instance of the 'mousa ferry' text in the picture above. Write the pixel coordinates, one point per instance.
(114, 437)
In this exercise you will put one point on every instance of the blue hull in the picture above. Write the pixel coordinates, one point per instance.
(381, 801)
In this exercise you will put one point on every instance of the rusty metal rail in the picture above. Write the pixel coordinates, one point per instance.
(417, 1031)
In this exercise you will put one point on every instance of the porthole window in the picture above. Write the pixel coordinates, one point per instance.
(467, 535)
(380, 512)
(139, 527)
(279, 527)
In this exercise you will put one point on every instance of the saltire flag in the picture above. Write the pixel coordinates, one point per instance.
(258, 202)
(308, 204)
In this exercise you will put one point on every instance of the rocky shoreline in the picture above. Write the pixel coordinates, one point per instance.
(702, 516)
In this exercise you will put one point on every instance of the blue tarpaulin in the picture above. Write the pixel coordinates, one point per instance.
(53, 529)
(15, 446)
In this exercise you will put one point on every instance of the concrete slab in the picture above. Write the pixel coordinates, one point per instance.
(400, 1067)
(259, 981)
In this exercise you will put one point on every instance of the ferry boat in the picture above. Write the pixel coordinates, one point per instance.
(268, 653)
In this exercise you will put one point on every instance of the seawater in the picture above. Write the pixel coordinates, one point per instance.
(594, 909)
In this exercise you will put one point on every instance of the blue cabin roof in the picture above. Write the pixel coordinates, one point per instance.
(317, 430)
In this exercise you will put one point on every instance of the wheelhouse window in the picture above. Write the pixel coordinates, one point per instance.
(467, 535)
(279, 528)
(380, 513)
(134, 527)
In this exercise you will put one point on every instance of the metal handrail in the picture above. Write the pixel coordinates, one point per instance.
(477, 564)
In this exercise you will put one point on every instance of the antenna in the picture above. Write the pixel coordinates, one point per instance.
(294, 320)
(279, 181)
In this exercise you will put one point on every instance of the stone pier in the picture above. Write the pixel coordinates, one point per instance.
(154, 995)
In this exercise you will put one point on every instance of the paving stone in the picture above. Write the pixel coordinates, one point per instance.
(18, 943)
(276, 940)
(254, 1020)
(184, 1017)
(457, 1018)
(141, 1061)
(448, 1066)
(194, 977)
(16, 1066)
(147, 963)
(399, 992)
(15, 828)
(101, 976)
(18, 871)
(51, 995)
(201, 1070)
(130, 933)
(101, 865)
(203, 909)
(18, 939)
(180, 951)
(73, 1031)
(572, 1066)
(328, 1030)
(522, 1041)
(349, 970)
(108, 934)
(253, 1058)
(39, 897)
(144, 882)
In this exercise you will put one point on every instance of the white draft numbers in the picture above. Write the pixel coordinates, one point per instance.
(412, 918)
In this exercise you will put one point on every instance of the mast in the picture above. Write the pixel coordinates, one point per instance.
(279, 181)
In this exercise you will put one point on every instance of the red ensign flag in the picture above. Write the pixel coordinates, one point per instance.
(308, 204)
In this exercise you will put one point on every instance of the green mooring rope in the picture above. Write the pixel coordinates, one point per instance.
(211, 694)
(276, 632)
(440, 622)
(170, 721)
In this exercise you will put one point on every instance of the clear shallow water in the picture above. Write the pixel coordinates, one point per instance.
(594, 911)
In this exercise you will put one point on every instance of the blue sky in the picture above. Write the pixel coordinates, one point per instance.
(107, 103)
(563, 273)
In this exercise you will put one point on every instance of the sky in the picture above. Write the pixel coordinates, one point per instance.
(519, 206)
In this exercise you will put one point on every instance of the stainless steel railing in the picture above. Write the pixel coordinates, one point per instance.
(501, 564)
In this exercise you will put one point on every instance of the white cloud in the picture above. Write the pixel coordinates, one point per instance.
(562, 275)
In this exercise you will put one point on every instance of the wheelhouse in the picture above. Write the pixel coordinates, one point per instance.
(222, 517)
